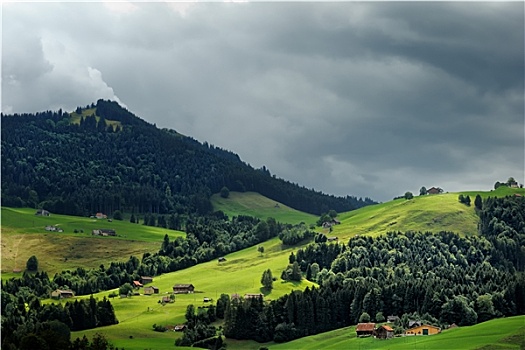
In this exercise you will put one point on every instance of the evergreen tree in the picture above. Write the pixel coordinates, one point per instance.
(267, 279)
(32, 263)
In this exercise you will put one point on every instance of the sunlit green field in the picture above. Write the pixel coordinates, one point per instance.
(254, 204)
(503, 333)
(442, 212)
(241, 273)
(24, 234)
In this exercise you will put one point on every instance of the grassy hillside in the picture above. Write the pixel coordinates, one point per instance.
(503, 333)
(433, 213)
(24, 234)
(241, 274)
(254, 204)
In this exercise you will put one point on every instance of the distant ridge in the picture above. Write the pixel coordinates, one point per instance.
(80, 164)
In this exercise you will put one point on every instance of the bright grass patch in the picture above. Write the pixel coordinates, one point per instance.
(254, 204)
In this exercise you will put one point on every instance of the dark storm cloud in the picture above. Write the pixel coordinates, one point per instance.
(369, 99)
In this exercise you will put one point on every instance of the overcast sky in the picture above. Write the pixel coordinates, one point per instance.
(366, 99)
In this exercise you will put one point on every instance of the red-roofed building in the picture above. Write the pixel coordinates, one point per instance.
(137, 284)
(365, 328)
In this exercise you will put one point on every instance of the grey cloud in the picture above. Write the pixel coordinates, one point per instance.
(369, 99)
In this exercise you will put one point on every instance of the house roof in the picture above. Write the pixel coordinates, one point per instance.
(387, 328)
(137, 283)
(365, 327)
(183, 286)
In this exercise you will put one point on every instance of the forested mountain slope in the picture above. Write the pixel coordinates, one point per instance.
(104, 158)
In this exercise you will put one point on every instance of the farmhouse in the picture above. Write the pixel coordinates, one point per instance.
(146, 279)
(54, 228)
(179, 328)
(424, 329)
(392, 319)
(183, 288)
(365, 329)
(60, 294)
(384, 332)
(151, 290)
(42, 212)
(253, 296)
(101, 216)
(104, 232)
(434, 190)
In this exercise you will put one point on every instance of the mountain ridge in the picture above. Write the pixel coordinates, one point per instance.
(130, 165)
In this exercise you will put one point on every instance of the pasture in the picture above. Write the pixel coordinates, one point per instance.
(434, 213)
(24, 234)
(240, 273)
(502, 333)
(254, 204)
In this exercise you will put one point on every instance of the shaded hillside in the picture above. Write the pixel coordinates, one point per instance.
(111, 160)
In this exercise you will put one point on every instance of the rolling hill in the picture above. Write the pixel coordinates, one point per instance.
(103, 158)
(259, 206)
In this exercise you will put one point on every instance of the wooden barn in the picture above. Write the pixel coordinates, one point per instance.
(365, 329)
(183, 288)
(384, 332)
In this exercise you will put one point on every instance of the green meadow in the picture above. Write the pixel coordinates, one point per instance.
(75, 117)
(254, 204)
(434, 213)
(240, 273)
(503, 333)
(24, 234)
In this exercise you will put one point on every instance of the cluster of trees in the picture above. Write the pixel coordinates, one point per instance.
(509, 183)
(27, 324)
(296, 234)
(443, 277)
(79, 169)
(199, 332)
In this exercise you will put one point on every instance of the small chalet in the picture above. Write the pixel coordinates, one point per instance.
(365, 329)
(384, 332)
(434, 190)
(253, 296)
(151, 290)
(137, 284)
(222, 259)
(54, 228)
(424, 329)
(165, 300)
(146, 279)
(179, 328)
(332, 239)
(104, 232)
(183, 288)
(206, 300)
(392, 319)
(101, 216)
(42, 212)
(61, 294)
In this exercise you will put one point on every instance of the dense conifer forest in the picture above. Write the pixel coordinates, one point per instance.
(112, 160)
